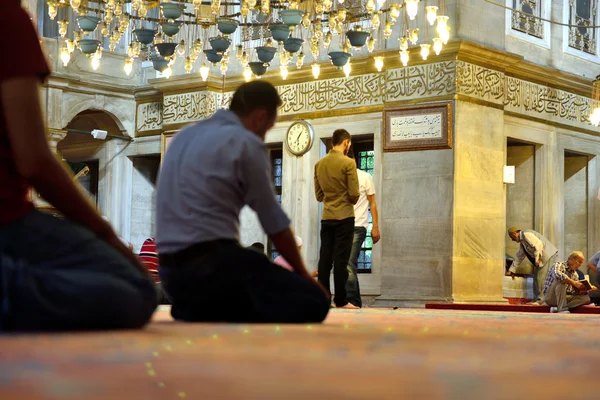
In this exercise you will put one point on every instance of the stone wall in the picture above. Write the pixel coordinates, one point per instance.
(143, 202)
(576, 204)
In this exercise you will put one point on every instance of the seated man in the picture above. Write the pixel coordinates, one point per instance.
(592, 265)
(55, 274)
(211, 170)
(149, 258)
(562, 289)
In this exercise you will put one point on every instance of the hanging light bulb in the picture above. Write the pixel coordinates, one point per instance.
(327, 39)
(245, 10)
(283, 70)
(413, 35)
(293, 5)
(245, 58)
(339, 28)
(252, 4)
(425, 51)
(77, 38)
(98, 53)
(223, 66)
(347, 69)
(247, 73)
(167, 72)
(379, 63)
(215, 6)
(118, 10)
(332, 22)
(403, 43)
(284, 58)
(375, 22)
(65, 56)
(70, 45)
(412, 8)
(437, 46)
(370, 6)
(95, 63)
(188, 65)
(316, 70)
(300, 60)
(595, 117)
(327, 5)
(387, 31)
(75, 4)
(319, 8)
(306, 20)
(394, 12)
(442, 23)
(135, 5)
(108, 16)
(265, 7)
(431, 14)
(62, 28)
(181, 48)
(204, 72)
(371, 44)
(445, 35)
(239, 51)
(404, 57)
(52, 11)
(341, 14)
(128, 66)
(104, 29)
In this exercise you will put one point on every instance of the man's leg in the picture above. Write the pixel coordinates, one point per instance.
(234, 284)
(560, 294)
(550, 297)
(539, 279)
(352, 286)
(326, 253)
(58, 275)
(344, 233)
(577, 300)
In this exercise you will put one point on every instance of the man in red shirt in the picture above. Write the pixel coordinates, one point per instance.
(149, 258)
(55, 274)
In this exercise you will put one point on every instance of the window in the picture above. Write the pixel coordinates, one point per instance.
(363, 148)
(276, 156)
(583, 14)
(525, 20)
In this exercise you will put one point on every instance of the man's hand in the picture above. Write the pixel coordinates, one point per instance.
(579, 286)
(537, 263)
(375, 235)
(509, 273)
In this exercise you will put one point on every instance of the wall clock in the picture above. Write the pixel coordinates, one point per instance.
(299, 138)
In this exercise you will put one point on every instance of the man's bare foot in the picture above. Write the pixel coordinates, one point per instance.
(349, 306)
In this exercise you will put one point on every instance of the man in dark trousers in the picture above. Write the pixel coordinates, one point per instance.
(210, 171)
(336, 185)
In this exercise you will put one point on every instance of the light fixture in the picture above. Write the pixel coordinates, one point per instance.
(188, 65)
(128, 67)
(95, 62)
(65, 56)
(347, 68)
(404, 57)
(403, 43)
(62, 28)
(204, 72)
(394, 12)
(379, 63)
(437, 46)
(425, 51)
(284, 72)
(316, 70)
(247, 73)
(167, 72)
(445, 35)
(431, 14)
(371, 44)
(442, 24)
(387, 32)
(300, 60)
(70, 45)
(413, 35)
(412, 8)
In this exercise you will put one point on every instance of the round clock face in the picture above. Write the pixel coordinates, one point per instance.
(299, 138)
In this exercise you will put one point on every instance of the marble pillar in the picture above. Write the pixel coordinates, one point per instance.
(479, 203)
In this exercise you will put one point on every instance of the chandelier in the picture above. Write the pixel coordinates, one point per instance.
(217, 33)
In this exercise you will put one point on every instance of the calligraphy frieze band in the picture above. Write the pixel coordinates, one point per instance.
(377, 89)
(418, 127)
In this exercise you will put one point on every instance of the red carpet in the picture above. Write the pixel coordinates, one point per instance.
(365, 354)
(524, 308)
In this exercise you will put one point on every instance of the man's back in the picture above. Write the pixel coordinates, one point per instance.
(204, 182)
(336, 184)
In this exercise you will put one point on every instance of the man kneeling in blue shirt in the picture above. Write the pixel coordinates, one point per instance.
(210, 171)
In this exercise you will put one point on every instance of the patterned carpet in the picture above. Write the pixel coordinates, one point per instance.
(366, 354)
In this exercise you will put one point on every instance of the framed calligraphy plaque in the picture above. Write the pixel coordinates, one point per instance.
(418, 127)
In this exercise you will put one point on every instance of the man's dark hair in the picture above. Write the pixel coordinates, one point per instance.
(351, 152)
(257, 246)
(253, 96)
(339, 135)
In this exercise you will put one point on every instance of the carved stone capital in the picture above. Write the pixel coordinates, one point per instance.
(54, 136)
